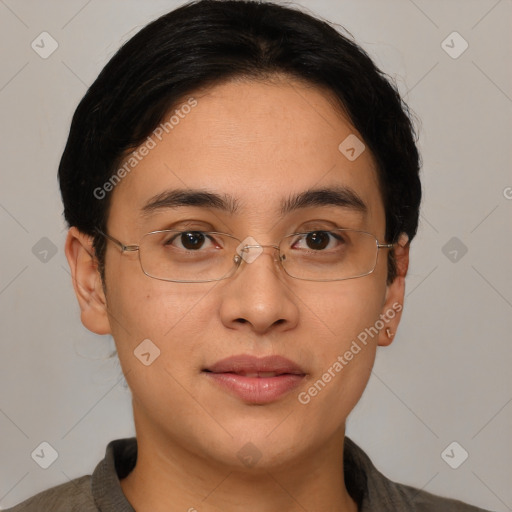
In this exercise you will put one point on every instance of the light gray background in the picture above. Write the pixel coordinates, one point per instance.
(447, 375)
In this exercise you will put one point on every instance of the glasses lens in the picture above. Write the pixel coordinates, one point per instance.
(191, 256)
(200, 256)
(324, 255)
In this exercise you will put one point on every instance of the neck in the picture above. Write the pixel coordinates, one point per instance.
(168, 477)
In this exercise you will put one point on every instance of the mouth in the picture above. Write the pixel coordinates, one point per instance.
(256, 380)
(256, 374)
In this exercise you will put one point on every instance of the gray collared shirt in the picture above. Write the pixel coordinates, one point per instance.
(102, 492)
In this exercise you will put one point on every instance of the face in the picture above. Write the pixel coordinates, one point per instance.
(260, 144)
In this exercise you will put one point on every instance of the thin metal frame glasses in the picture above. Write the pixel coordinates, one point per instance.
(355, 254)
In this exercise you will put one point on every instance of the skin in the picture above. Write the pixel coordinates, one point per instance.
(238, 140)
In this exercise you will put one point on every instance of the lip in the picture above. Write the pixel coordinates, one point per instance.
(257, 380)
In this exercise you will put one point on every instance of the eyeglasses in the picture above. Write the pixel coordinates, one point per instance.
(193, 256)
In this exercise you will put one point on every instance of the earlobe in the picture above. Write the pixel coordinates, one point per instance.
(87, 281)
(395, 293)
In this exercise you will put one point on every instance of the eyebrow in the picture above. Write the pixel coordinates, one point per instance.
(343, 197)
(338, 196)
(190, 197)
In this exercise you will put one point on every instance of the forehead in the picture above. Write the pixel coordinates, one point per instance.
(258, 145)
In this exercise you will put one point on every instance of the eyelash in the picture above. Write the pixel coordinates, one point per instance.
(333, 237)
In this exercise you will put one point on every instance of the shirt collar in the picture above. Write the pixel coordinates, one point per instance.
(364, 483)
(120, 459)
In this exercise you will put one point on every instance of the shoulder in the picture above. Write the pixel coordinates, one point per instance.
(422, 501)
(373, 491)
(72, 496)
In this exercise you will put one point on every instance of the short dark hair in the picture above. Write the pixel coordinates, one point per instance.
(207, 42)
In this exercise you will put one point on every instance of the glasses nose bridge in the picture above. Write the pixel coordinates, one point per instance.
(247, 247)
(256, 246)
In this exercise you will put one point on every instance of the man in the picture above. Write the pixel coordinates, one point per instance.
(241, 185)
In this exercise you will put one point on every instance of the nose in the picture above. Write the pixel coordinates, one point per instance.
(259, 297)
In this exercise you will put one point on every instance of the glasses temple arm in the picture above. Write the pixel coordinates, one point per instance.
(123, 247)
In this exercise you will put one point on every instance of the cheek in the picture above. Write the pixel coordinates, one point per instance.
(343, 309)
(158, 340)
(173, 318)
(143, 308)
(343, 346)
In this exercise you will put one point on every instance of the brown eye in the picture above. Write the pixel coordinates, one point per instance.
(187, 240)
(317, 240)
(192, 239)
(320, 241)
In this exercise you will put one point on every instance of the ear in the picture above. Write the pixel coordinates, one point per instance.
(87, 281)
(395, 293)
